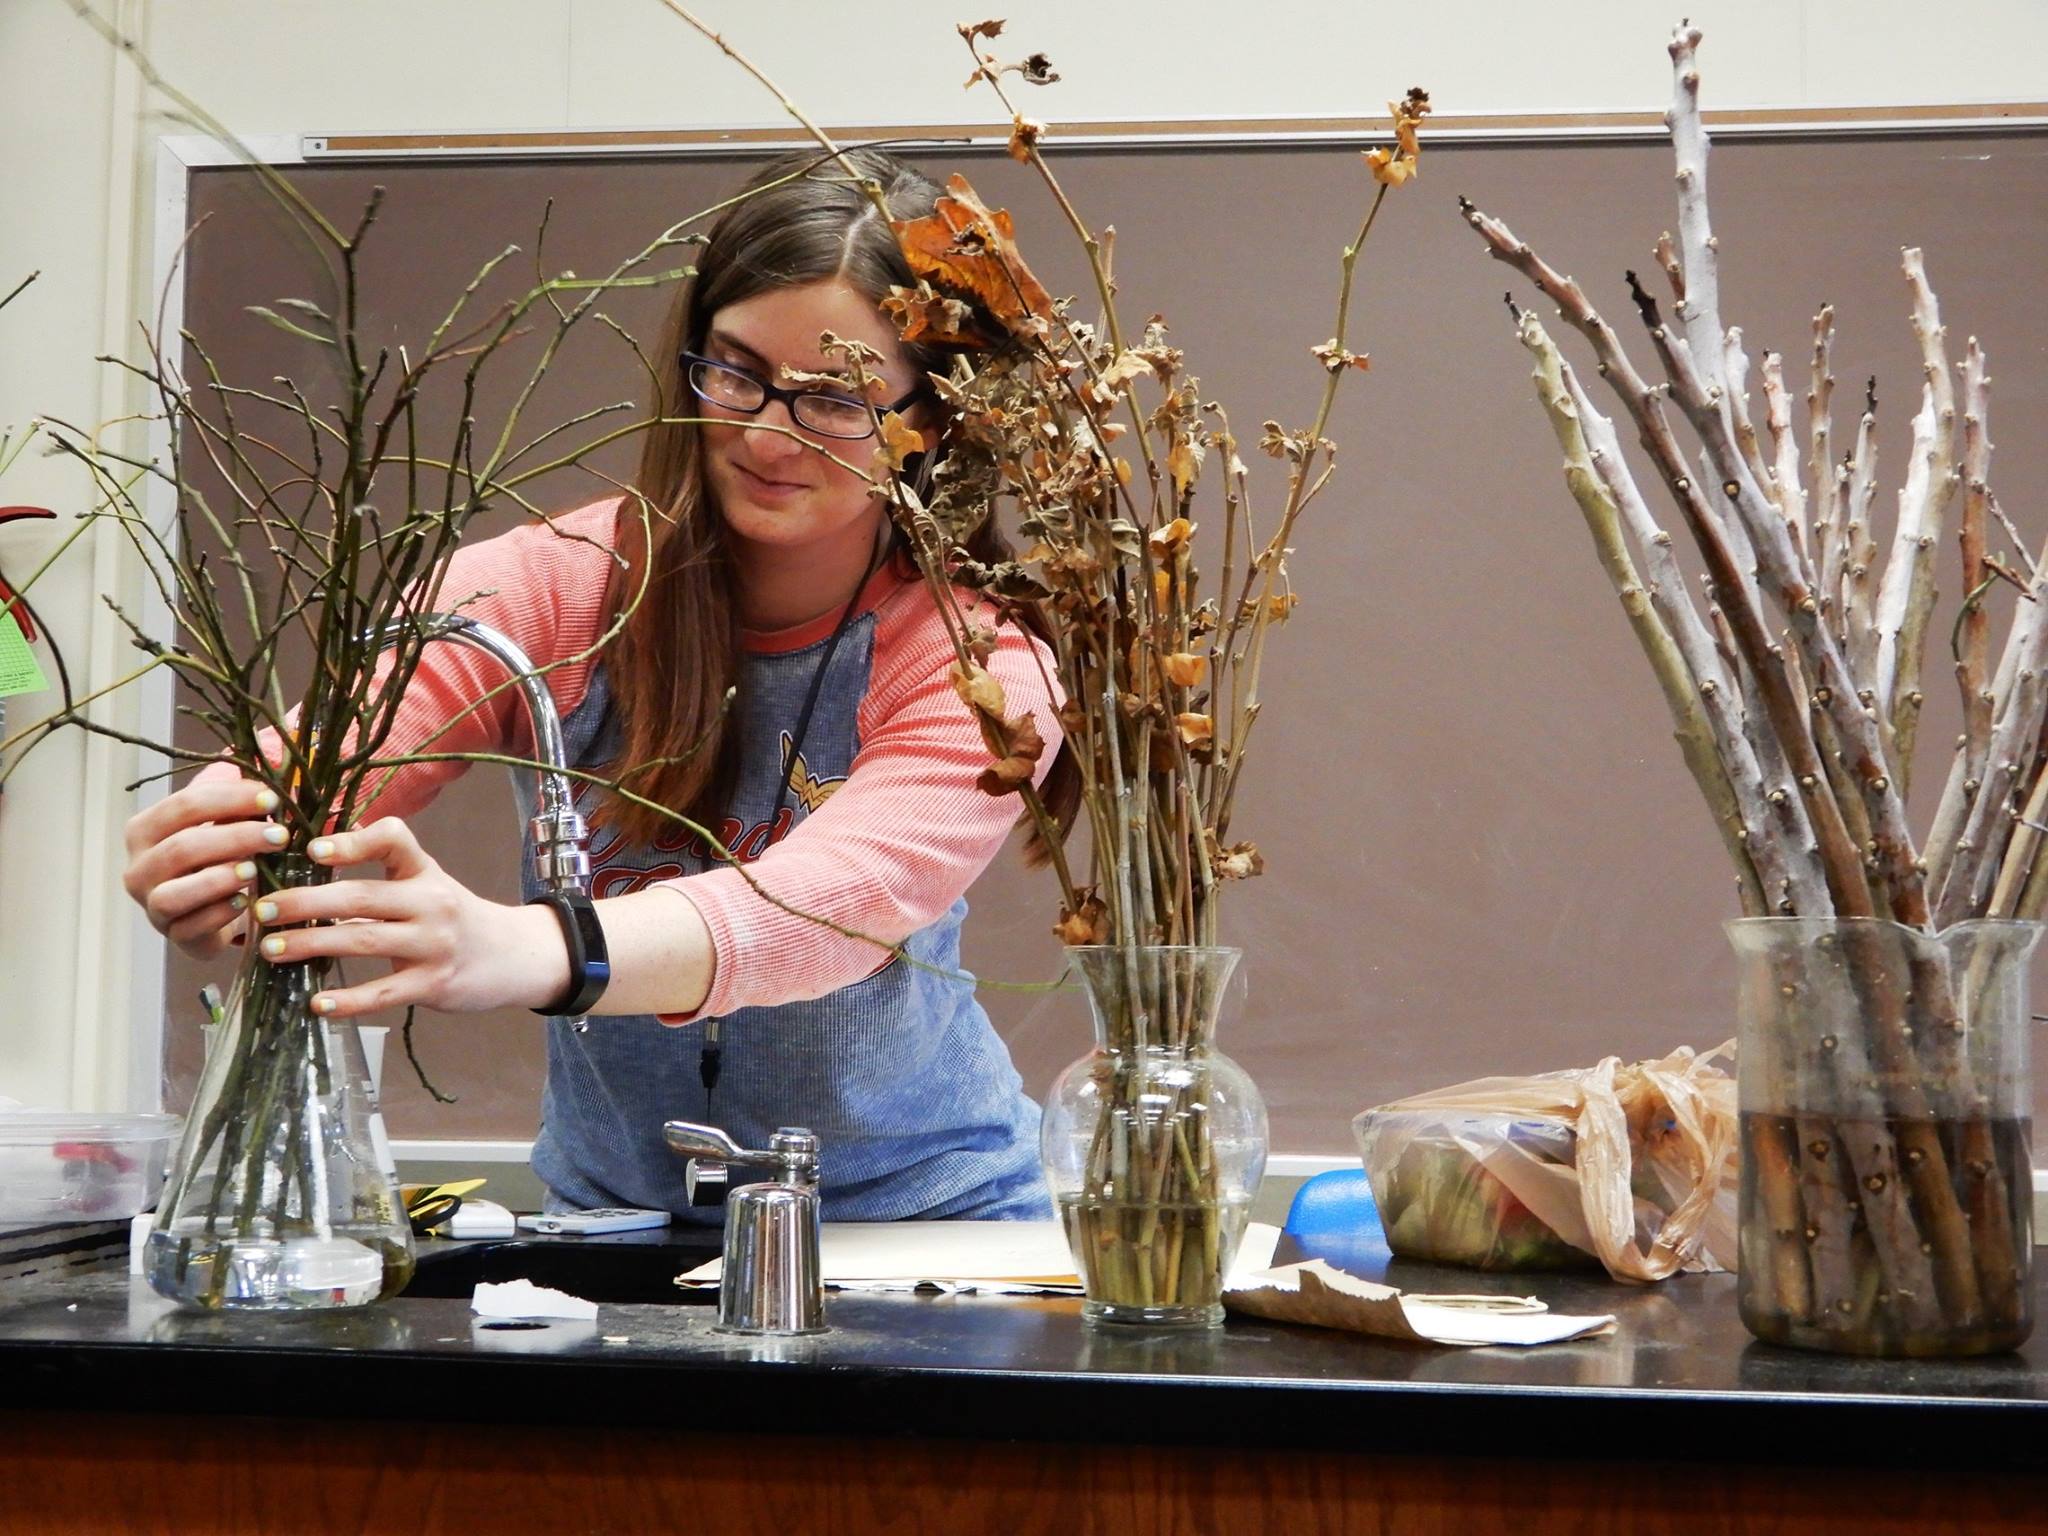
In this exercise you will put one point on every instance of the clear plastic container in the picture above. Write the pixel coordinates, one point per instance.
(59, 1167)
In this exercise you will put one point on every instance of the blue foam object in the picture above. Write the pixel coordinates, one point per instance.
(1333, 1218)
(1335, 1204)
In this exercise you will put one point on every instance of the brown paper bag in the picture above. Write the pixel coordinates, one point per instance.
(1632, 1167)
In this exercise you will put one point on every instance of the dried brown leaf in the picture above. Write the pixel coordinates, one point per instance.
(923, 314)
(1240, 861)
(965, 246)
(1170, 539)
(1025, 132)
(1014, 770)
(1087, 925)
(1337, 359)
(1397, 166)
(978, 690)
(896, 442)
(1184, 669)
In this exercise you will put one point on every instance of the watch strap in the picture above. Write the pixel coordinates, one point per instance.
(590, 966)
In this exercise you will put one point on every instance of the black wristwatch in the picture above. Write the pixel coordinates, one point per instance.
(590, 964)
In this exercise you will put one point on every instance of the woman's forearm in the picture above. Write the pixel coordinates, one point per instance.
(661, 953)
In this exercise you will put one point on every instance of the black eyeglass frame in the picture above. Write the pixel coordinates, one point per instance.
(793, 398)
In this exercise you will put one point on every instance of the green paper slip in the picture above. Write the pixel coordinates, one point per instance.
(18, 670)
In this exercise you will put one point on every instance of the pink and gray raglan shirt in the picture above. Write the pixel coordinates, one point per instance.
(896, 1067)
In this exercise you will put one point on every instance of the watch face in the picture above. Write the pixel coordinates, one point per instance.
(597, 960)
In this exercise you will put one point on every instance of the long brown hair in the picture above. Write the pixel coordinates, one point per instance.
(679, 652)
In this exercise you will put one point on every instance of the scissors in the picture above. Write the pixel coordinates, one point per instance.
(430, 1209)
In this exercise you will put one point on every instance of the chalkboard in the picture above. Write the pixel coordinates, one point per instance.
(1484, 854)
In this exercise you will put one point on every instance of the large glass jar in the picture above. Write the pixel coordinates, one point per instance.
(1887, 1188)
(279, 1197)
(1155, 1141)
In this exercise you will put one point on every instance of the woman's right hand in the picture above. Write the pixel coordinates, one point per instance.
(191, 859)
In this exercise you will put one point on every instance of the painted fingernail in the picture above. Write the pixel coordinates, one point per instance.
(266, 800)
(321, 847)
(246, 870)
(238, 901)
(266, 911)
(274, 945)
(323, 1004)
(277, 837)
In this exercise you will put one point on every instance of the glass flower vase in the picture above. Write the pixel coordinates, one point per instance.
(278, 1199)
(1155, 1141)
(1886, 1205)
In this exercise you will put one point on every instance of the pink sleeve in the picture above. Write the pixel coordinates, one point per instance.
(895, 845)
(543, 591)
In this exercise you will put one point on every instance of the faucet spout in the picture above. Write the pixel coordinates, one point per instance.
(561, 837)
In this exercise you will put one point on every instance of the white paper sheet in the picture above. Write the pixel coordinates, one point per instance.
(901, 1254)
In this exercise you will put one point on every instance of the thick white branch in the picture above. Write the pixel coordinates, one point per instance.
(1922, 507)
(1859, 556)
(1974, 685)
(1699, 255)
(1786, 483)
(1735, 379)
(2015, 734)
(1912, 552)
(1820, 465)
(1787, 863)
(1790, 581)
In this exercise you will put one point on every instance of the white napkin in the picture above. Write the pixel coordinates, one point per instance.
(522, 1298)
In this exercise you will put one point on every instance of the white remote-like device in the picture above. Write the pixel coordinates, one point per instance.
(590, 1223)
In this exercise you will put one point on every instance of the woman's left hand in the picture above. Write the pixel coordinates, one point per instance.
(449, 949)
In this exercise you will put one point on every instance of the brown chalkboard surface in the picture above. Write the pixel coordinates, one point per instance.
(1484, 854)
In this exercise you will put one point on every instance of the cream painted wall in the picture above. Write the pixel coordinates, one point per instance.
(77, 158)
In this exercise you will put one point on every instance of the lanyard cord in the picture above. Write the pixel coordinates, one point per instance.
(711, 1058)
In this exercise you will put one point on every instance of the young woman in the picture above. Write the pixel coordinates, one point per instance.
(843, 776)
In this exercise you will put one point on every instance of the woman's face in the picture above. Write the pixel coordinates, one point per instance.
(775, 489)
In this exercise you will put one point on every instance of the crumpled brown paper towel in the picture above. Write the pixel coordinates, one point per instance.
(1317, 1294)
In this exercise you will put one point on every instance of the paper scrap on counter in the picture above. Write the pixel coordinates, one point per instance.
(1318, 1294)
(904, 1254)
(524, 1299)
(1254, 1251)
(953, 1287)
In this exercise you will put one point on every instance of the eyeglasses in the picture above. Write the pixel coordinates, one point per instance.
(815, 410)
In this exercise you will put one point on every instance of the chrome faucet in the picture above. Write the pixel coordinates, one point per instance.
(770, 1280)
(561, 837)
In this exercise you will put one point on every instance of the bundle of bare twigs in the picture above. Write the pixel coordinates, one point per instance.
(319, 510)
(1794, 681)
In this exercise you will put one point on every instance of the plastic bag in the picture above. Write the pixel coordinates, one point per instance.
(1633, 1168)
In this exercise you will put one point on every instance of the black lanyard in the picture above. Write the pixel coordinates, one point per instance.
(710, 1059)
